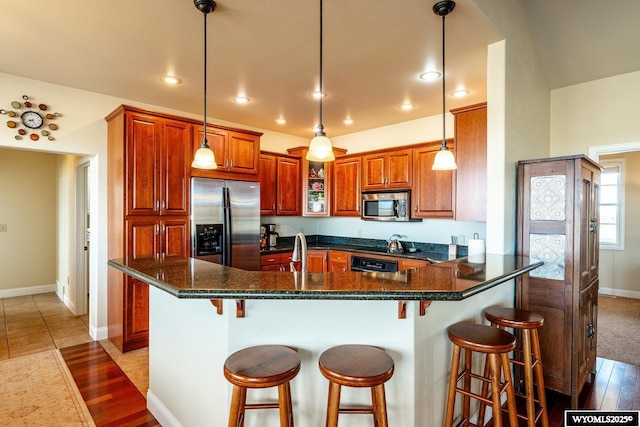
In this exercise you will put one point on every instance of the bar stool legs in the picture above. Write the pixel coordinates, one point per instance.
(356, 366)
(496, 344)
(527, 323)
(261, 367)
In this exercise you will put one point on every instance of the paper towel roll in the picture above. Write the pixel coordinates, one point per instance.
(476, 251)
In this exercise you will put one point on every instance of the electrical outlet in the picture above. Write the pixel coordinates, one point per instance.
(3, 228)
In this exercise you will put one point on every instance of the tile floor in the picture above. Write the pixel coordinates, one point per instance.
(35, 323)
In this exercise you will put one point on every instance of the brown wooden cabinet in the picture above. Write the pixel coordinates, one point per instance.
(276, 262)
(346, 188)
(237, 153)
(433, 191)
(279, 184)
(558, 205)
(471, 158)
(156, 164)
(405, 264)
(339, 261)
(316, 182)
(387, 169)
(317, 261)
(148, 157)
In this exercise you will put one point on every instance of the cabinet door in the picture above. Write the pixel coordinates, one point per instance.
(175, 236)
(400, 169)
(346, 186)
(243, 153)
(142, 171)
(587, 331)
(433, 191)
(217, 140)
(374, 173)
(268, 184)
(288, 192)
(338, 261)
(589, 224)
(136, 314)
(471, 158)
(174, 168)
(316, 261)
(143, 237)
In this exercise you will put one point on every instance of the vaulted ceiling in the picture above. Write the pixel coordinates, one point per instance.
(269, 52)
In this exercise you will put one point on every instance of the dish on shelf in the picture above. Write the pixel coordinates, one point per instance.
(317, 186)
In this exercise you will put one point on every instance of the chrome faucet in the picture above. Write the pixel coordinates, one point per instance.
(300, 251)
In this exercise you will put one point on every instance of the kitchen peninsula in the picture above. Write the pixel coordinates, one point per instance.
(190, 337)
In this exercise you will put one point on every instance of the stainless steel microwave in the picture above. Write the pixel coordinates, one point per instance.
(391, 205)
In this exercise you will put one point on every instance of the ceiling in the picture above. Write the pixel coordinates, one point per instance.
(269, 51)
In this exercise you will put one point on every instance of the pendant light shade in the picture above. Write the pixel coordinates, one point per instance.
(320, 149)
(204, 157)
(444, 158)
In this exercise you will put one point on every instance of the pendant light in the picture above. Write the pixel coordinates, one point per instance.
(204, 157)
(444, 158)
(320, 149)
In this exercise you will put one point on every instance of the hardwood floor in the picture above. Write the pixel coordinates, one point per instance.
(112, 399)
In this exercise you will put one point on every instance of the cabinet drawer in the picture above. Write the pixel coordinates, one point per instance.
(338, 256)
(271, 259)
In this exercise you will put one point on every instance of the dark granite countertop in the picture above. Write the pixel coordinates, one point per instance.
(448, 280)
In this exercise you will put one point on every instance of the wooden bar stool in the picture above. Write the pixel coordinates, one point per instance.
(262, 366)
(527, 323)
(496, 344)
(357, 366)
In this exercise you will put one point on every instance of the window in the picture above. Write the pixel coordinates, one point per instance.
(612, 205)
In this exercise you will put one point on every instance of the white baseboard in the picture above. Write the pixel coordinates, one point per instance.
(29, 290)
(619, 293)
(99, 333)
(160, 412)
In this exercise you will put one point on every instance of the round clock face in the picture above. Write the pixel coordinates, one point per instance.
(31, 119)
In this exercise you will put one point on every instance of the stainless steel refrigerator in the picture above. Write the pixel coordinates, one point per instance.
(225, 222)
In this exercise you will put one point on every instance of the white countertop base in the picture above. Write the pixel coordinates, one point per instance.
(189, 342)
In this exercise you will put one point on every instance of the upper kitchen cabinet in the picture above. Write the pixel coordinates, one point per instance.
(471, 158)
(237, 153)
(279, 184)
(316, 182)
(156, 150)
(387, 169)
(433, 191)
(346, 188)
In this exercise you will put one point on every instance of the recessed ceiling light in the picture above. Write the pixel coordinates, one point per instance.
(430, 75)
(281, 121)
(241, 99)
(348, 121)
(171, 80)
(406, 106)
(460, 93)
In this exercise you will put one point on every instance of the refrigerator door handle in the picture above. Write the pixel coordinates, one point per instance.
(226, 209)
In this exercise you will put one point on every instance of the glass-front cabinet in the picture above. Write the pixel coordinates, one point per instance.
(316, 183)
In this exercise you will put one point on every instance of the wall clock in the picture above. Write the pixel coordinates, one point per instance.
(31, 118)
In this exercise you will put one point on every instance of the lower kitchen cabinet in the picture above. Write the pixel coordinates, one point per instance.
(317, 261)
(405, 264)
(276, 262)
(339, 261)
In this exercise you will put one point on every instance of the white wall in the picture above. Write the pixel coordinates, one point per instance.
(28, 208)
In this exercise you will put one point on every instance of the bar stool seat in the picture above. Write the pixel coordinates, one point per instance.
(356, 366)
(495, 344)
(261, 366)
(527, 323)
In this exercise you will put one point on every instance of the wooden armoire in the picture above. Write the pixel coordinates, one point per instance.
(558, 203)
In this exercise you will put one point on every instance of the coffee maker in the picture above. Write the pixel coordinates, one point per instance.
(270, 235)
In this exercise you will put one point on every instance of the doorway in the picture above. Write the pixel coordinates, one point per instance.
(83, 247)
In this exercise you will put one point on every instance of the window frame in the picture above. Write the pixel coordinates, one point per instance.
(618, 163)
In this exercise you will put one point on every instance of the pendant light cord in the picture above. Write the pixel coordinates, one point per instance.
(204, 134)
(320, 126)
(444, 140)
